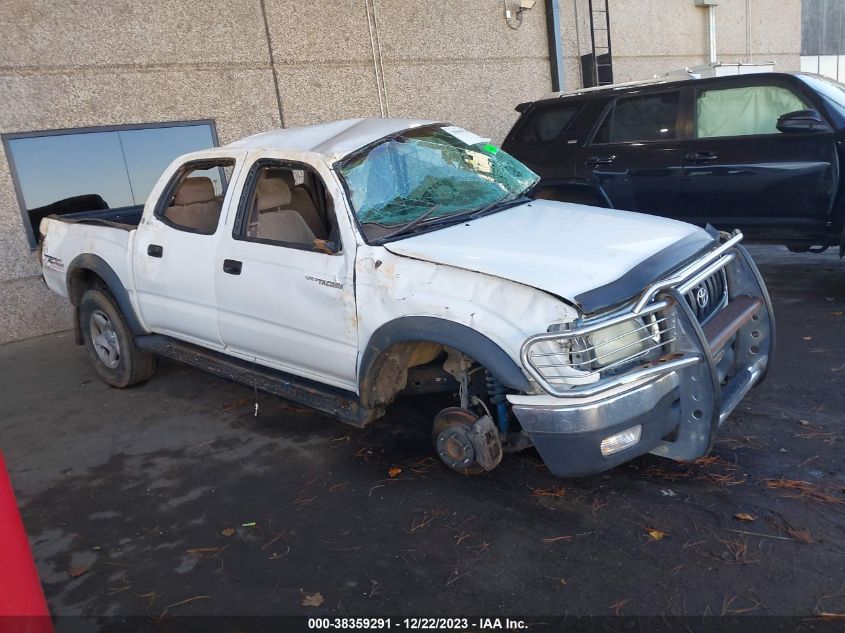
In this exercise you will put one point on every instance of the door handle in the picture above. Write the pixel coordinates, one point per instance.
(700, 157)
(232, 266)
(595, 161)
(154, 250)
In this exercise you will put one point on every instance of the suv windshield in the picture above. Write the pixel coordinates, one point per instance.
(429, 176)
(832, 90)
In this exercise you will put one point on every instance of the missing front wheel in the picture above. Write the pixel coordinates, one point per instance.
(466, 443)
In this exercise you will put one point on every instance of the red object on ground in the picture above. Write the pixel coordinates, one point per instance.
(22, 605)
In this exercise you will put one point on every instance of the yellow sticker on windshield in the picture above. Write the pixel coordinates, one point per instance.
(479, 162)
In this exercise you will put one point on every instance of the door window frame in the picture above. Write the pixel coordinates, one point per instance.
(530, 118)
(681, 118)
(239, 226)
(752, 82)
(176, 180)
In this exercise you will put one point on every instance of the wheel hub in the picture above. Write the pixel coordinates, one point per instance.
(455, 449)
(104, 339)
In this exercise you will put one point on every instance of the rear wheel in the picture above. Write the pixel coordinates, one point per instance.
(109, 341)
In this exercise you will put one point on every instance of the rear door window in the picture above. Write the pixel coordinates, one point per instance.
(743, 111)
(642, 118)
(547, 123)
(194, 197)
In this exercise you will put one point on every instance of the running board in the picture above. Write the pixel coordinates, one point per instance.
(338, 403)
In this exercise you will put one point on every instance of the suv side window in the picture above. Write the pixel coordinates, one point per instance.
(193, 199)
(287, 205)
(547, 123)
(642, 118)
(743, 111)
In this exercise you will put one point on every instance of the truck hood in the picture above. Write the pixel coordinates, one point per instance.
(594, 258)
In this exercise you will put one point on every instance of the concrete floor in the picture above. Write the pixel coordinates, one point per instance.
(137, 500)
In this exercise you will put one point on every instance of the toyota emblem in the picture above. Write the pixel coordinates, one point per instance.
(702, 297)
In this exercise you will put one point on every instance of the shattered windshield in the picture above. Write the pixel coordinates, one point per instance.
(430, 176)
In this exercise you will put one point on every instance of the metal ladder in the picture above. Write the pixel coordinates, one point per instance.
(602, 51)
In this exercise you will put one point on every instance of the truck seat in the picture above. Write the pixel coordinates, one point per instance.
(301, 201)
(275, 222)
(195, 205)
(285, 226)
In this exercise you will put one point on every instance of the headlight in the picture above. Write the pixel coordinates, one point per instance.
(618, 342)
(580, 359)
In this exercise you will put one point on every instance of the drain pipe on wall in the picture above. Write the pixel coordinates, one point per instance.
(748, 50)
(711, 18)
(555, 46)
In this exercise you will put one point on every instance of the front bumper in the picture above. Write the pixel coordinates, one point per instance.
(679, 400)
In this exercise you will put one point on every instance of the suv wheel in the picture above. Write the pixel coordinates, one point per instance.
(109, 341)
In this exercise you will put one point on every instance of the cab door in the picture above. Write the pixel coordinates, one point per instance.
(635, 154)
(174, 251)
(284, 274)
(740, 171)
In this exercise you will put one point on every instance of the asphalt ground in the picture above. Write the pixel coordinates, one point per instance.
(173, 499)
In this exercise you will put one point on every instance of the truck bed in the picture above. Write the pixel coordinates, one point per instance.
(70, 236)
(128, 216)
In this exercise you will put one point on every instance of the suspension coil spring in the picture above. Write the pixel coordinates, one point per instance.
(496, 393)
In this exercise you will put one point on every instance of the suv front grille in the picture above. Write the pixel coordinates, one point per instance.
(708, 297)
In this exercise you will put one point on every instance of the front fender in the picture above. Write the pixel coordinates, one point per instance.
(455, 335)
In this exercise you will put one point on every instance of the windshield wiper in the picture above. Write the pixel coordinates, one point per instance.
(503, 200)
(406, 228)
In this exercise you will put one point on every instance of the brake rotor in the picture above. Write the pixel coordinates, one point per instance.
(451, 433)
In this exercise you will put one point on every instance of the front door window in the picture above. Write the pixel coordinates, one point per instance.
(743, 111)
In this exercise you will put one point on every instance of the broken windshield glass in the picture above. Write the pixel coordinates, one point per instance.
(433, 172)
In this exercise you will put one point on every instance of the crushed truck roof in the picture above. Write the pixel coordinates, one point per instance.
(333, 140)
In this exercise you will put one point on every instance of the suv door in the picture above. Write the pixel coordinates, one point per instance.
(174, 250)
(741, 172)
(284, 284)
(634, 156)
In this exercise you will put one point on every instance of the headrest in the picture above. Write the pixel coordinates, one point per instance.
(287, 176)
(193, 190)
(272, 193)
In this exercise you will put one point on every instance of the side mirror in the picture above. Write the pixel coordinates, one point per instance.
(802, 121)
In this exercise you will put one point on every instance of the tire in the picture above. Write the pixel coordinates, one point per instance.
(451, 434)
(110, 343)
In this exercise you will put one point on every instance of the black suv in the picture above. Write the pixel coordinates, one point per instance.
(759, 152)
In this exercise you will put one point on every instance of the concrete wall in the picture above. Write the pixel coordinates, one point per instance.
(78, 63)
(822, 27)
(108, 62)
(654, 37)
(456, 60)
(85, 63)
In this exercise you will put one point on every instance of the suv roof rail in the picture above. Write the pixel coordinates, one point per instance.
(717, 69)
(619, 86)
(724, 69)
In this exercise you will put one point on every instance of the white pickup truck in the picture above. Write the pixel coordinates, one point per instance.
(342, 264)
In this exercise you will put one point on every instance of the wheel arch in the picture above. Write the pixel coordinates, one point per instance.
(425, 330)
(84, 272)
